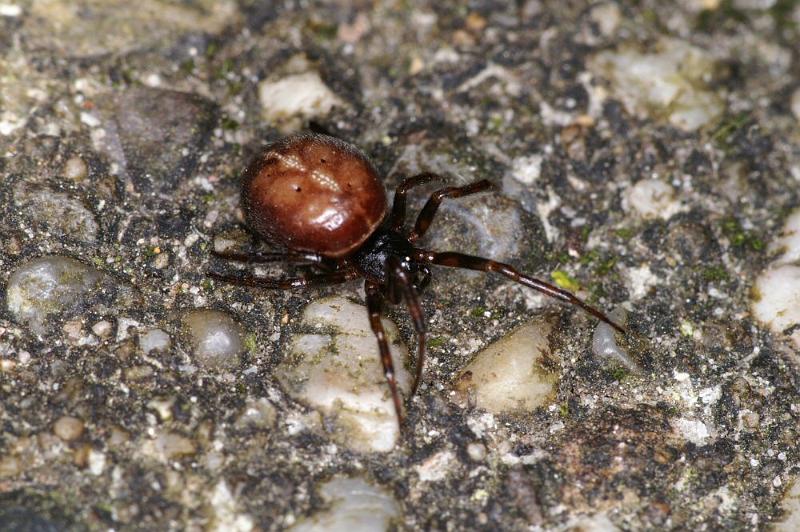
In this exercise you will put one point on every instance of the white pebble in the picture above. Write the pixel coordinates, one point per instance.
(102, 328)
(435, 467)
(476, 451)
(76, 169)
(49, 286)
(777, 289)
(154, 340)
(777, 303)
(227, 514)
(652, 198)
(796, 104)
(671, 80)
(339, 372)
(640, 280)
(96, 462)
(790, 519)
(527, 169)
(607, 16)
(788, 245)
(290, 100)
(598, 522)
(353, 506)
(693, 430)
(215, 337)
(10, 10)
(604, 342)
(508, 375)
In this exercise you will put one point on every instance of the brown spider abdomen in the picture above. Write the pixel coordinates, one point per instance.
(313, 193)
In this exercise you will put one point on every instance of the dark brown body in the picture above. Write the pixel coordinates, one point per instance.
(313, 193)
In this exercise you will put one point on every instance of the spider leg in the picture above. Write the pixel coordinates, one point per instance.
(425, 280)
(313, 279)
(411, 298)
(374, 305)
(469, 262)
(398, 216)
(432, 205)
(260, 258)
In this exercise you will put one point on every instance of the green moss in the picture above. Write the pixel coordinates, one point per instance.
(618, 373)
(590, 256)
(605, 265)
(187, 67)
(212, 49)
(586, 230)
(250, 342)
(739, 237)
(229, 124)
(478, 312)
(625, 233)
(782, 11)
(559, 257)
(729, 125)
(436, 341)
(716, 272)
(563, 280)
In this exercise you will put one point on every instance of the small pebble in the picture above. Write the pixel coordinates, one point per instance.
(796, 104)
(436, 467)
(10, 466)
(598, 522)
(102, 328)
(338, 371)
(288, 101)
(215, 338)
(68, 428)
(154, 340)
(652, 198)
(508, 375)
(258, 413)
(49, 286)
(789, 521)
(527, 169)
(96, 462)
(353, 505)
(76, 169)
(604, 342)
(227, 515)
(692, 430)
(168, 446)
(776, 301)
(476, 451)
(63, 214)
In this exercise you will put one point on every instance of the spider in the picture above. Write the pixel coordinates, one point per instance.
(322, 199)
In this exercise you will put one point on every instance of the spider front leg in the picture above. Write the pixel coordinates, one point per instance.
(397, 274)
(374, 306)
(428, 212)
(469, 262)
(398, 216)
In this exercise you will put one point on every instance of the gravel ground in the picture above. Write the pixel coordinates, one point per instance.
(646, 156)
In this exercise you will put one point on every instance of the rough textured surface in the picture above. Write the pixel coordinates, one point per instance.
(646, 155)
